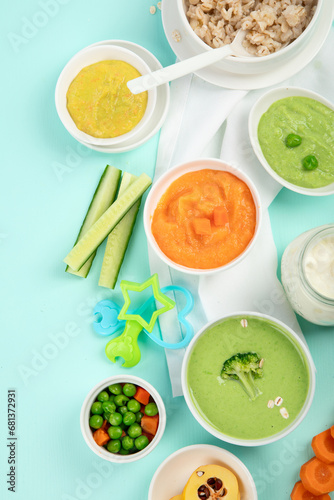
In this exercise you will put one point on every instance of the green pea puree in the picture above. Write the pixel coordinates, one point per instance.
(224, 404)
(314, 123)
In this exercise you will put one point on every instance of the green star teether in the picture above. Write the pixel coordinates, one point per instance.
(126, 345)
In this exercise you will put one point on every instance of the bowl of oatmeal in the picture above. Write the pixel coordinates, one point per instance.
(276, 29)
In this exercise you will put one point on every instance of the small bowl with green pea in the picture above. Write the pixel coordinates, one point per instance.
(123, 419)
(291, 131)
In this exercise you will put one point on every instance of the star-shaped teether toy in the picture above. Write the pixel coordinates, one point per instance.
(166, 302)
(126, 346)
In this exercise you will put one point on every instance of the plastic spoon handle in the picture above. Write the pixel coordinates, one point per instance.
(170, 73)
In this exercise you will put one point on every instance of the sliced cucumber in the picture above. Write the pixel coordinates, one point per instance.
(104, 195)
(118, 239)
(106, 223)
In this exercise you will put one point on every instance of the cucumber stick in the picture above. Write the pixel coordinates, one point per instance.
(118, 239)
(104, 195)
(87, 245)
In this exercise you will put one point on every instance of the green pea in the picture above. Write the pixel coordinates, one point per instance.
(121, 400)
(96, 421)
(123, 452)
(293, 140)
(115, 389)
(141, 442)
(151, 409)
(114, 446)
(139, 416)
(96, 408)
(134, 430)
(106, 415)
(310, 162)
(115, 432)
(129, 418)
(133, 405)
(129, 390)
(111, 398)
(127, 443)
(115, 419)
(109, 407)
(122, 410)
(103, 396)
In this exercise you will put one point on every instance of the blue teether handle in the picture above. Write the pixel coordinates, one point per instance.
(189, 331)
(109, 323)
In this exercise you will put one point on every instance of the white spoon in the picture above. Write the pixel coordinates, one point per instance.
(170, 73)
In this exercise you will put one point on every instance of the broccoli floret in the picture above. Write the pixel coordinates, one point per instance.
(244, 367)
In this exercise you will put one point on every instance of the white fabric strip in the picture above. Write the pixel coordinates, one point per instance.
(198, 109)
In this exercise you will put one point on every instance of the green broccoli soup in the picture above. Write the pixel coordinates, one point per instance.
(293, 131)
(247, 377)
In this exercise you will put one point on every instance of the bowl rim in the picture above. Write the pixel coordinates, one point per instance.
(249, 60)
(217, 449)
(261, 441)
(67, 72)
(253, 123)
(203, 164)
(85, 411)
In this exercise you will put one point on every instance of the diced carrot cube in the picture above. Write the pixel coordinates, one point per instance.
(202, 226)
(142, 396)
(101, 437)
(220, 216)
(150, 424)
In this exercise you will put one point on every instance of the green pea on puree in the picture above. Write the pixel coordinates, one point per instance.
(314, 123)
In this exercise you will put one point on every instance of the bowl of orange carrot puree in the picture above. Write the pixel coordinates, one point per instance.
(202, 216)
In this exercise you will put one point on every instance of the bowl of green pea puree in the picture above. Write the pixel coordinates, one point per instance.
(248, 379)
(292, 134)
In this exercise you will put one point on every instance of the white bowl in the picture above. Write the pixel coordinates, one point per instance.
(249, 442)
(85, 58)
(85, 414)
(161, 185)
(160, 109)
(250, 65)
(172, 475)
(259, 108)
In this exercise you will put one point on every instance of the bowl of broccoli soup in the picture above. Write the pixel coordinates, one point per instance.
(248, 379)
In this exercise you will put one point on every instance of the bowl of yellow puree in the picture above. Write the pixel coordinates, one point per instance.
(93, 100)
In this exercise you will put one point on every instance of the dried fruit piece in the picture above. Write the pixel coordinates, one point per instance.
(211, 482)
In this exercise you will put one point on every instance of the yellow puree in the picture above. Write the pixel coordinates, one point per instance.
(100, 102)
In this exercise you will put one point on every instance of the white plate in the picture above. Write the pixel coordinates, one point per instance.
(214, 74)
(161, 108)
(172, 475)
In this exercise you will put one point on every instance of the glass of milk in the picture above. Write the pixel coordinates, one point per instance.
(308, 274)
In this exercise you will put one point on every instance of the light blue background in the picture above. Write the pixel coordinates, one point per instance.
(40, 216)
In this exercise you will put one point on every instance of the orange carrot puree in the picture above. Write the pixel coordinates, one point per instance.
(192, 198)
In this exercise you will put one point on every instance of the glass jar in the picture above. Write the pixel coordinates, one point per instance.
(308, 275)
